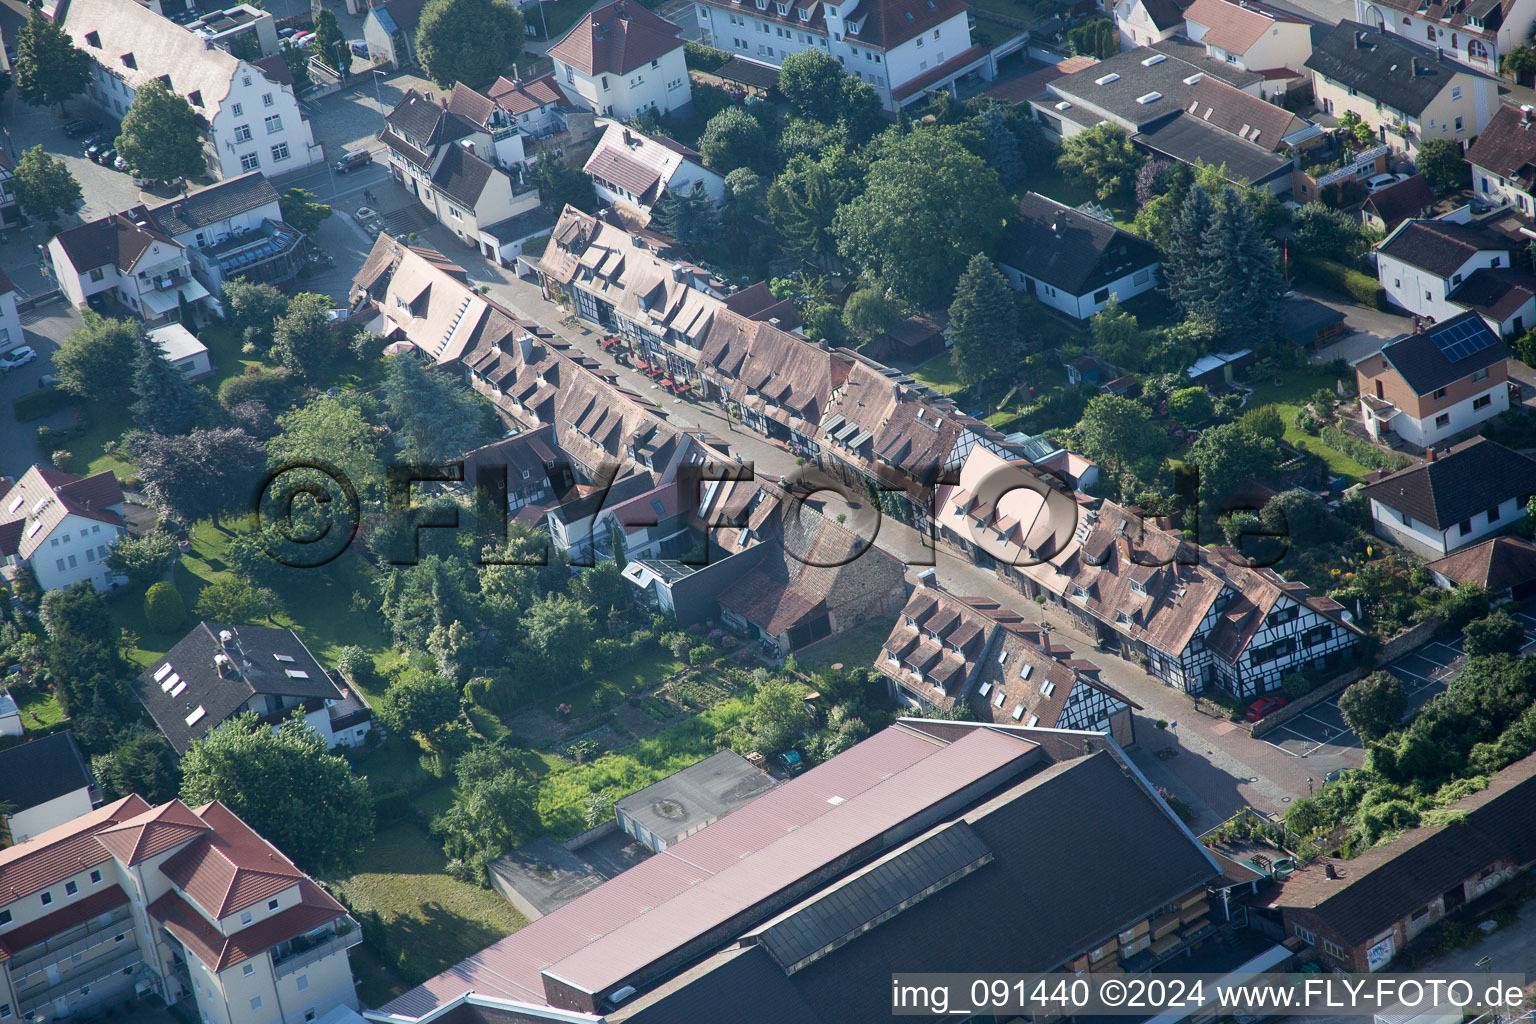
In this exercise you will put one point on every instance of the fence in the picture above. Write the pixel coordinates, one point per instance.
(1408, 640)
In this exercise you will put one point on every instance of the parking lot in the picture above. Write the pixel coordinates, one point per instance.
(1319, 733)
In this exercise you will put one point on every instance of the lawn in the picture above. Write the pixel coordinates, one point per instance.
(1051, 183)
(854, 648)
(38, 710)
(1296, 387)
(89, 450)
(436, 918)
(600, 694)
(938, 373)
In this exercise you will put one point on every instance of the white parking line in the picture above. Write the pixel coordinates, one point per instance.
(1415, 675)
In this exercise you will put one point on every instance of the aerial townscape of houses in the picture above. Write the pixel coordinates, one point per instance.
(893, 484)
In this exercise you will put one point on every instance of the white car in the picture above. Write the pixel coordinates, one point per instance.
(16, 358)
(1382, 181)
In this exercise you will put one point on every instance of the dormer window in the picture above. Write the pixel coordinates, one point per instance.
(805, 14)
(129, 62)
(93, 39)
(782, 8)
(1138, 586)
(762, 5)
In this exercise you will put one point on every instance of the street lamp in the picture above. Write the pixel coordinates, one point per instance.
(376, 98)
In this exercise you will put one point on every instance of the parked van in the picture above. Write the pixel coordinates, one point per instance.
(353, 160)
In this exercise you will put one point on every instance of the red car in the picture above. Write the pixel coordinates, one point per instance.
(1265, 706)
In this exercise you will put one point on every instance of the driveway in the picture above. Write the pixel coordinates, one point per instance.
(1369, 328)
(45, 328)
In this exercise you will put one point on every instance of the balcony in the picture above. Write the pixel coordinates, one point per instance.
(45, 954)
(303, 951)
(89, 974)
(172, 281)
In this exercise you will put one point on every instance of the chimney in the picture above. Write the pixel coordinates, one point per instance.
(927, 578)
(1429, 455)
(1413, 66)
(1439, 55)
(1526, 114)
(1330, 871)
(628, 139)
(1060, 223)
(1359, 39)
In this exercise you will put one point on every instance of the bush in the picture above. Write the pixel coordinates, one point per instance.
(1363, 288)
(1306, 422)
(1362, 451)
(699, 57)
(1296, 685)
(256, 384)
(357, 666)
(164, 609)
(391, 807)
(34, 405)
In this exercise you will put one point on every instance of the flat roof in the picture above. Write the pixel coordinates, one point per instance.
(177, 342)
(684, 802)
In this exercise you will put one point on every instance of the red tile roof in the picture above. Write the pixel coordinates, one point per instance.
(616, 39)
(218, 951)
(61, 852)
(890, 23)
(1235, 27)
(951, 67)
(152, 832)
(49, 925)
(231, 867)
(517, 97)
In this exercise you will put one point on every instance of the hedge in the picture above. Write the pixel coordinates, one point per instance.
(1363, 288)
(1362, 451)
(699, 57)
(34, 405)
(164, 609)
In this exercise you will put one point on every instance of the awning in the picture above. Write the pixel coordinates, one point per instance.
(161, 303)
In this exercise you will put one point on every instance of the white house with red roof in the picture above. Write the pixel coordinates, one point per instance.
(633, 168)
(1252, 36)
(61, 525)
(621, 61)
(132, 262)
(901, 47)
(181, 903)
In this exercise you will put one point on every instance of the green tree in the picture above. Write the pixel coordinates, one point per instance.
(1496, 633)
(44, 187)
(804, 199)
(469, 41)
(435, 418)
(297, 63)
(1321, 230)
(1443, 165)
(161, 137)
(253, 309)
(778, 719)
(283, 784)
(561, 185)
(1520, 64)
(1235, 276)
(1003, 150)
(335, 431)
(164, 400)
(331, 47)
(164, 609)
(301, 207)
(141, 762)
(418, 703)
(860, 112)
(811, 82)
(230, 600)
(199, 474)
(870, 312)
(1228, 457)
(740, 207)
(1301, 516)
(1263, 421)
(929, 204)
(734, 138)
(49, 69)
(1118, 335)
(1103, 159)
(983, 325)
(96, 361)
(1191, 406)
(1184, 270)
(1374, 706)
(1122, 436)
(303, 340)
(558, 629)
(690, 217)
(85, 664)
(495, 807)
(143, 559)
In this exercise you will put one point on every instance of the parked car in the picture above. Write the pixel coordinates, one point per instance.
(93, 145)
(17, 358)
(120, 163)
(303, 39)
(359, 48)
(1382, 181)
(80, 127)
(1264, 706)
(288, 32)
(351, 161)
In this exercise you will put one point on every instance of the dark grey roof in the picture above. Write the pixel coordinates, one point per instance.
(1301, 318)
(1165, 14)
(1439, 246)
(262, 660)
(215, 203)
(1188, 139)
(462, 176)
(1194, 54)
(1077, 255)
(686, 801)
(425, 124)
(739, 986)
(1471, 478)
(1384, 66)
(1427, 361)
(1133, 80)
(42, 770)
(537, 221)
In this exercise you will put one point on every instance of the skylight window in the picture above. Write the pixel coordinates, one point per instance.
(196, 716)
(20, 498)
(283, 657)
(997, 701)
(1025, 669)
(1047, 688)
(1033, 720)
(1111, 77)
(162, 671)
(170, 681)
(296, 673)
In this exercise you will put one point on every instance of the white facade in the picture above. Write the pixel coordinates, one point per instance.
(35, 821)
(1137, 27)
(675, 171)
(152, 287)
(76, 551)
(181, 347)
(1082, 307)
(1287, 44)
(1444, 423)
(1476, 48)
(1428, 542)
(11, 334)
(1498, 190)
(736, 30)
(660, 87)
(1428, 294)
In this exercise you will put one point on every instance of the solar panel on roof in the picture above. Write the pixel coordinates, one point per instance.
(1461, 340)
